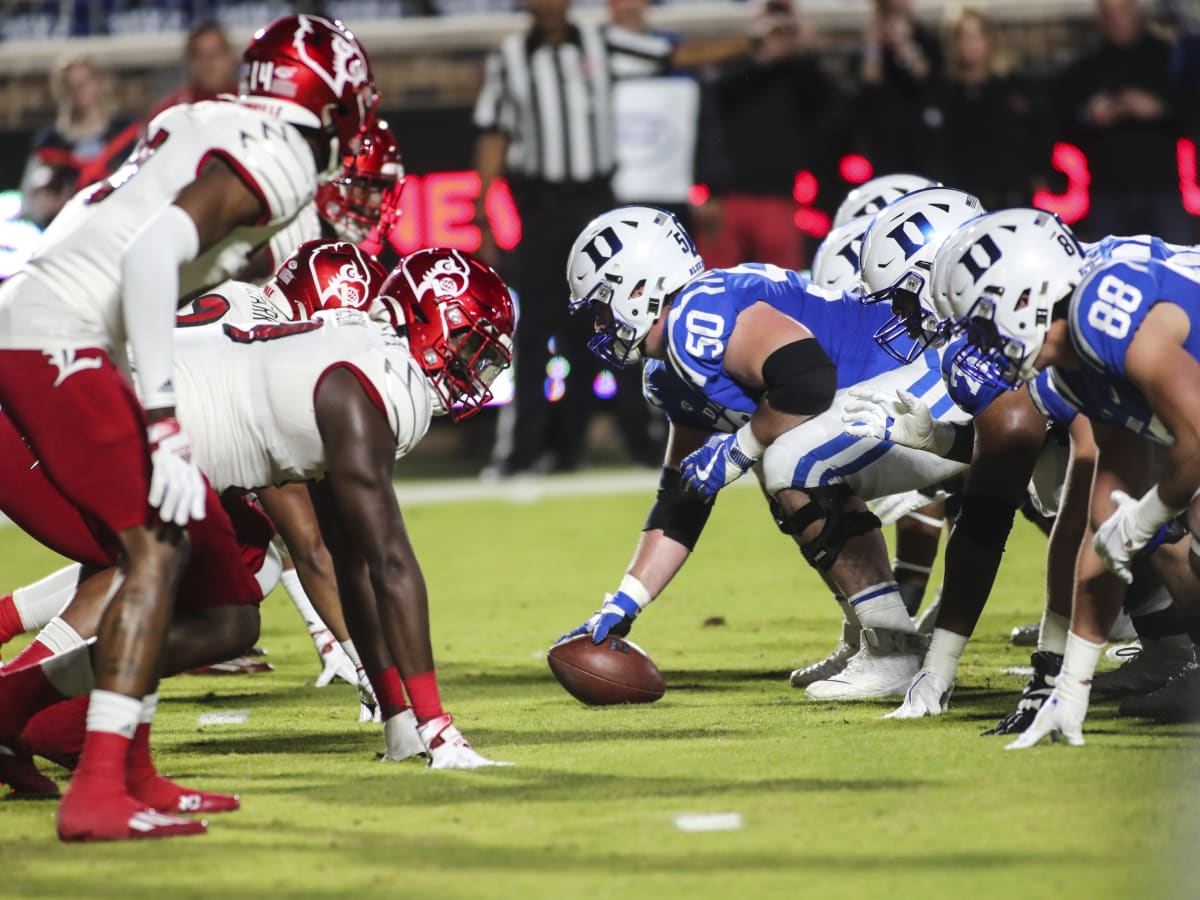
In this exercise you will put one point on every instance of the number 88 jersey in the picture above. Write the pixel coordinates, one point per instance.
(1109, 306)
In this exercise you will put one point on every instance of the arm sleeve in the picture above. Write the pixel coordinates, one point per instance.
(150, 289)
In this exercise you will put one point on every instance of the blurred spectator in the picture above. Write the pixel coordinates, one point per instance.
(989, 128)
(900, 58)
(1121, 104)
(87, 142)
(545, 116)
(210, 64)
(768, 106)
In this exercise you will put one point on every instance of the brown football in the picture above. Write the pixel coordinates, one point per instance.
(614, 671)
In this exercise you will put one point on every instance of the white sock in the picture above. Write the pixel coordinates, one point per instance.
(295, 590)
(149, 709)
(41, 601)
(945, 648)
(1080, 658)
(71, 672)
(880, 606)
(59, 637)
(352, 652)
(114, 713)
(1052, 635)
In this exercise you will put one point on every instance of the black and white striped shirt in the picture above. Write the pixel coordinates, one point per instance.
(555, 101)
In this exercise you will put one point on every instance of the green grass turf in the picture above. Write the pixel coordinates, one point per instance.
(836, 803)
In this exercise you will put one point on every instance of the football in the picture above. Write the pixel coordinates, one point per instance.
(615, 671)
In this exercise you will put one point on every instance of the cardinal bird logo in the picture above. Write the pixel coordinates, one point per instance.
(347, 67)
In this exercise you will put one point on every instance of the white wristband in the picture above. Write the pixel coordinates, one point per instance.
(1150, 512)
(635, 591)
(749, 444)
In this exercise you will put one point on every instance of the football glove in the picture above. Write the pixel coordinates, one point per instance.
(334, 661)
(614, 617)
(368, 703)
(1134, 525)
(177, 489)
(905, 420)
(928, 695)
(1046, 666)
(722, 460)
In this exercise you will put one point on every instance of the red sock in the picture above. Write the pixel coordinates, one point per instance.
(57, 732)
(10, 619)
(423, 695)
(30, 656)
(22, 694)
(389, 690)
(102, 763)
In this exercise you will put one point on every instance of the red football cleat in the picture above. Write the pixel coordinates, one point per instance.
(21, 775)
(164, 795)
(85, 816)
(240, 665)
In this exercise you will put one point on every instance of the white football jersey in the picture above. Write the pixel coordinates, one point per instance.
(245, 394)
(75, 298)
(235, 301)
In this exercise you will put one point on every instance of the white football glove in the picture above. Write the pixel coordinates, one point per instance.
(177, 489)
(905, 420)
(928, 695)
(334, 661)
(368, 703)
(1061, 716)
(1130, 529)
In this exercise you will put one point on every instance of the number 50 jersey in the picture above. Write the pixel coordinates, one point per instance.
(69, 293)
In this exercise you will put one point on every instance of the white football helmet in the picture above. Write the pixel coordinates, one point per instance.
(999, 278)
(835, 264)
(897, 254)
(872, 196)
(622, 268)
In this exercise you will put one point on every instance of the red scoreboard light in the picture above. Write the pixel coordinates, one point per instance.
(439, 211)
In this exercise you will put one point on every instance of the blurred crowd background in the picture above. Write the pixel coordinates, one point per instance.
(1086, 107)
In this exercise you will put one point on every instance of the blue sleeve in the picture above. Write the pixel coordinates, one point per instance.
(698, 328)
(1107, 309)
(1045, 394)
(968, 394)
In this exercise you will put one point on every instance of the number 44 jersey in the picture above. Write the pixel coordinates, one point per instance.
(246, 393)
(69, 293)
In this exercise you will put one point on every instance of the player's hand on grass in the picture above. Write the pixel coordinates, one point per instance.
(1061, 716)
(928, 695)
(177, 489)
(614, 617)
(722, 460)
(903, 420)
(334, 661)
(1134, 525)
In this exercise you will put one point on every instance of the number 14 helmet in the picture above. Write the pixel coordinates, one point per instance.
(624, 265)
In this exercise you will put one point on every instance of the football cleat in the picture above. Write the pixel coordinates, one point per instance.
(401, 738)
(833, 663)
(1046, 666)
(1122, 653)
(163, 795)
(1158, 662)
(884, 666)
(448, 749)
(1177, 701)
(927, 620)
(1026, 635)
(17, 770)
(239, 665)
(928, 695)
(84, 817)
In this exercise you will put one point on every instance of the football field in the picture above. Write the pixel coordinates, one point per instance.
(831, 801)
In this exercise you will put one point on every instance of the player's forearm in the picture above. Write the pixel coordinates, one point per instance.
(150, 289)
(1181, 476)
(657, 560)
(1098, 596)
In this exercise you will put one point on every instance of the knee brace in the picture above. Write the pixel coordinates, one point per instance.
(828, 503)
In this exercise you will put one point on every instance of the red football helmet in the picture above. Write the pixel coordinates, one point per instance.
(311, 72)
(459, 319)
(366, 192)
(326, 275)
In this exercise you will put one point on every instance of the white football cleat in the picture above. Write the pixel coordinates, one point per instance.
(884, 666)
(401, 739)
(927, 620)
(833, 663)
(928, 695)
(448, 749)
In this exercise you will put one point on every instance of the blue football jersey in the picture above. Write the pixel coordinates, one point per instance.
(969, 394)
(1142, 248)
(1106, 311)
(703, 316)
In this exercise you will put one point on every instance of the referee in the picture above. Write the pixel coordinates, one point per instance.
(545, 120)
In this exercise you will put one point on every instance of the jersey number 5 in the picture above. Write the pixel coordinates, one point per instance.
(1116, 299)
(704, 331)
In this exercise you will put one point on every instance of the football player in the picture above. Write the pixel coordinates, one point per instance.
(747, 363)
(211, 182)
(334, 401)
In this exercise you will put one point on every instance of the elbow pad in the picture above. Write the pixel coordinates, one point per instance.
(800, 377)
(679, 513)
